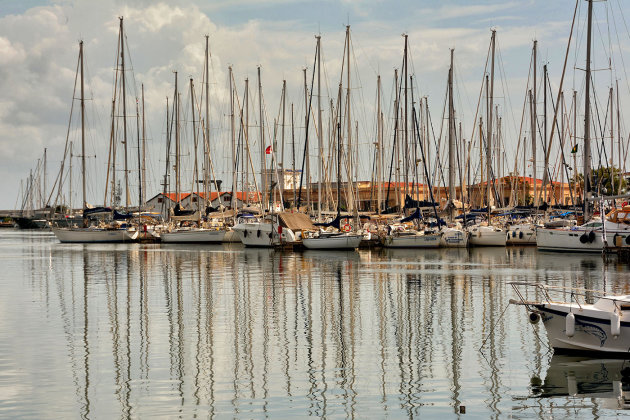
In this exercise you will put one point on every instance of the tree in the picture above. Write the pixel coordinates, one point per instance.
(606, 180)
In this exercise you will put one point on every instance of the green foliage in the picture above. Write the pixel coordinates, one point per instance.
(606, 180)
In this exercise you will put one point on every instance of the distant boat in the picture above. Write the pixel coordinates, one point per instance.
(25, 222)
(589, 237)
(94, 235)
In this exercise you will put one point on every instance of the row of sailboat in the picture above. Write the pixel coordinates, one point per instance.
(344, 221)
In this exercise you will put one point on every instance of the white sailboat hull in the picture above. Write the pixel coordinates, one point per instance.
(193, 236)
(94, 235)
(567, 240)
(413, 241)
(454, 238)
(343, 241)
(487, 236)
(231, 236)
(523, 234)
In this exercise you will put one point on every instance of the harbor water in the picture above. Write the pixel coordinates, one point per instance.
(183, 331)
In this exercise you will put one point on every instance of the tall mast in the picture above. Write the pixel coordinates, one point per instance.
(144, 153)
(532, 112)
(165, 186)
(587, 118)
(306, 147)
(234, 189)
(575, 169)
(379, 148)
(612, 138)
(544, 187)
(293, 155)
(207, 125)
(534, 127)
(489, 129)
(177, 186)
(139, 154)
(349, 122)
(406, 143)
(451, 139)
(245, 187)
(124, 115)
(396, 150)
(263, 162)
(618, 137)
(45, 200)
(320, 140)
(284, 105)
(70, 181)
(195, 142)
(84, 201)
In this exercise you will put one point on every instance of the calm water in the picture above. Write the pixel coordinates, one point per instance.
(150, 331)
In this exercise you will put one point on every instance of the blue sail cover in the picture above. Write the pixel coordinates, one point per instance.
(410, 203)
(337, 221)
(122, 216)
(415, 215)
(96, 210)
(179, 211)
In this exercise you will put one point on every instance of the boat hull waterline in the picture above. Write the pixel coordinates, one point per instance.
(94, 235)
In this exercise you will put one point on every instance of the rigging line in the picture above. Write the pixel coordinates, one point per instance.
(391, 165)
(438, 157)
(506, 92)
(65, 153)
(623, 64)
(308, 115)
(491, 176)
(561, 140)
(601, 150)
(520, 130)
(439, 144)
(555, 114)
(414, 122)
(610, 49)
(483, 77)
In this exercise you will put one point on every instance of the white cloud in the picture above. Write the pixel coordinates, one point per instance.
(38, 56)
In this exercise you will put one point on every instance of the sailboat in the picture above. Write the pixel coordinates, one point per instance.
(593, 236)
(101, 232)
(202, 231)
(342, 238)
(453, 236)
(402, 235)
(485, 233)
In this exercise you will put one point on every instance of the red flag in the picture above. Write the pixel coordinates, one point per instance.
(268, 150)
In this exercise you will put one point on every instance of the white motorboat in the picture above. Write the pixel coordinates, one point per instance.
(273, 230)
(487, 235)
(94, 235)
(257, 233)
(332, 240)
(521, 234)
(574, 326)
(588, 237)
(454, 237)
(412, 239)
(193, 235)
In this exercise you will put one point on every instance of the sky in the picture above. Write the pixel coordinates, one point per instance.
(39, 50)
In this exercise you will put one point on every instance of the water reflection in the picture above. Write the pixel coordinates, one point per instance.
(578, 383)
(182, 330)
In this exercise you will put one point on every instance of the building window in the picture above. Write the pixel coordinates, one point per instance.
(160, 200)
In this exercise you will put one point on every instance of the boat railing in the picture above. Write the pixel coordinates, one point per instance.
(575, 293)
